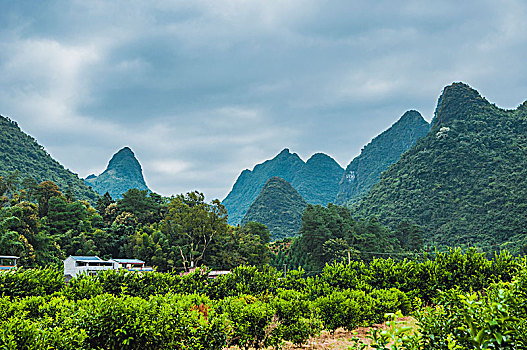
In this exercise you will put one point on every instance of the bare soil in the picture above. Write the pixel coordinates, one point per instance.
(340, 339)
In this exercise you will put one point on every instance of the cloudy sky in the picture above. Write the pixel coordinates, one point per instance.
(201, 90)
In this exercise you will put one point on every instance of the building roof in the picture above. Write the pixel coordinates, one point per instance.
(86, 258)
(9, 257)
(129, 261)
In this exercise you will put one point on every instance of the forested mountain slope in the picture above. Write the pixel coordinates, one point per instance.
(466, 181)
(279, 206)
(123, 173)
(20, 152)
(385, 149)
(316, 180)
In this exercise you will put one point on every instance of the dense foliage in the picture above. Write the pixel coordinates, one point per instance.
(465, 182)
(44, 226)
(279, 207)
(21, 154)
(256, 308)
(316, 180)
(122, 173)
(331, 234)
(385, 149)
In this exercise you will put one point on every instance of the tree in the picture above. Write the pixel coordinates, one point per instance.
(410, 235)
(191, 224)
(10, 240)
(144, 205)
(45, 191)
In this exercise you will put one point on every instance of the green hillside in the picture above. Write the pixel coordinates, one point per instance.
(20, 152)
(385, 149)
(316, 180)
(279, 206)
(465, 182)
(123, 173)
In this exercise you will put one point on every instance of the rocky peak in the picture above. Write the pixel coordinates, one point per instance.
(458, 101)
(123, 173)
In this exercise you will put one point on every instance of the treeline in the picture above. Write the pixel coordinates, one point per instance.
(255, 308)
(330, 234)
(44, 225)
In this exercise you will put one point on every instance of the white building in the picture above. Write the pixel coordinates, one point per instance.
(8, 262)
(131, 264)
(75, 265)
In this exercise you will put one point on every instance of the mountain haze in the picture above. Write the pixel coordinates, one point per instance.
(20, 152)
(279, 206)
(122, 173)
(316, 180)
(385, 149)
(465, 182)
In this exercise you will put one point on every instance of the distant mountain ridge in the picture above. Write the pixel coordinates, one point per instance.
(385, 149)
(279, 206)
(316, 180)
(122, 173)
(465, 182)
(21, 152)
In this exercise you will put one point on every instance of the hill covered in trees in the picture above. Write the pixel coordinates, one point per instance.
(385, 149)
(122, 173)
(465, 182)
(26, 160)
(316, 180)
(279, 207)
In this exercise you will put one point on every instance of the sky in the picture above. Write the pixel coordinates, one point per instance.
(201, 90)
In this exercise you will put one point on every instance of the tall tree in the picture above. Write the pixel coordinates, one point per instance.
(191, 225)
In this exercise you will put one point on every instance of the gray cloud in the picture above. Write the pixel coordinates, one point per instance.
(201, 90)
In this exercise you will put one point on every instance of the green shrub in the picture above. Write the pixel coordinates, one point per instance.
(25, 334)
(41, 281)
(252, 322)
(83, 287)
(388, 301)
(296, 316)
(245, 280)
(348, 309)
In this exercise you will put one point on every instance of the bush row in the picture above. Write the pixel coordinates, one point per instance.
(185, 321)
(422, 279)
(493, 319)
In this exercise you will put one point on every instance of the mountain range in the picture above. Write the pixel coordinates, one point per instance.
(462, 179)
(465, 182)
(315, 180)
(385, 149)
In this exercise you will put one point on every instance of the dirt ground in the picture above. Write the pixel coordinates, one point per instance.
(341, 339)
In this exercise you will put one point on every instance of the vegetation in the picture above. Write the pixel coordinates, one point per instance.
(331, 234)
(316, 180)
(256, 308)
(22, 159)
(43, 226)
(384, 150)
(465, 182)
(123, 173)
(279, 207)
